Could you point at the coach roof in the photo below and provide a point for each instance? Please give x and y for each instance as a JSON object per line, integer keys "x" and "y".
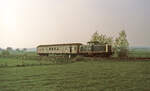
{"x": 60, "y": 44}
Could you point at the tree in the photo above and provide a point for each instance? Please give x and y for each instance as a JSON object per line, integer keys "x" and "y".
{"x": 1, "y": 49}
{"x": 95, "y": 36}
{"x": 5, "y": 53}
{"x": 18, "y": 50}
{"x": 121, "y": 44}
{"x": 102, "y": 39}
{"x": 9, "y": 49}
{"x": 24, "y": 49}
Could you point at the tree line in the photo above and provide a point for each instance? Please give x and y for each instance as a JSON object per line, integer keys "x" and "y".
{"x": 9, "y": 50}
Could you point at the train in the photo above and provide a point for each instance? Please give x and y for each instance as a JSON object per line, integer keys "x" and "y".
{"x": 74, "y": 49}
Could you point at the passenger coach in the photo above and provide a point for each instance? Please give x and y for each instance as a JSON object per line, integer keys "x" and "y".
{"x": 72, "y": 48}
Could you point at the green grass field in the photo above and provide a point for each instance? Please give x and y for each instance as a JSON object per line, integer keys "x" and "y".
{"x": 104, "y": 75}
{"x": 139, "y": 52}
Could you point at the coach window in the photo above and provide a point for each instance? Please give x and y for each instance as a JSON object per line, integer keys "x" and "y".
{"x": 74, "y": 48}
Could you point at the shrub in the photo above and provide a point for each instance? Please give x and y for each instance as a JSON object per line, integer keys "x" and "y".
{"x": 123, "y": 52}
{"x": 5, "y": 53}
{"x": 78, "y": 58}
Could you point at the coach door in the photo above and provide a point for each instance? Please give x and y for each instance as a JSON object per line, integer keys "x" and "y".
{"x": 70, "y": 49}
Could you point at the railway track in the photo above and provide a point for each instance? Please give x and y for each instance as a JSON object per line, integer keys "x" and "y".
{"x": 132, "y": 58}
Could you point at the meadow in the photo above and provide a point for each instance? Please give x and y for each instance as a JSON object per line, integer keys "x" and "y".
{"x": 139, "y": 52}
{"x": 88, "y": 74}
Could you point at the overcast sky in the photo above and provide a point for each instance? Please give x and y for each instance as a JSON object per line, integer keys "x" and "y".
{"x": 29, "y": 23}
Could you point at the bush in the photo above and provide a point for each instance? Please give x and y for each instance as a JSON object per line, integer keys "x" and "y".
{"x": 5, "y": 53}
{"x": 78, "y": 58}
{"x": 123, "y": 52}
